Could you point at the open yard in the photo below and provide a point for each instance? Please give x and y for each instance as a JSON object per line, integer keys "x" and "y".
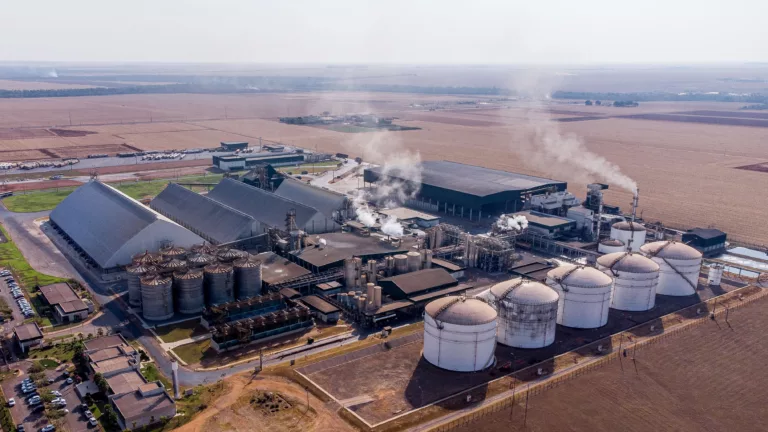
{"x": 709, "y": 377}
{"x": 180, "y": 331}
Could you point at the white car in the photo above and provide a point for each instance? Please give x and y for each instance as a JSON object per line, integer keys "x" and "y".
{"x": 34, "y": 400}
{"x": 56, "y": 393}
{"x": 93, "y": 421}
{"x": 11, "y": 402}
{"x": 59, "y": 401}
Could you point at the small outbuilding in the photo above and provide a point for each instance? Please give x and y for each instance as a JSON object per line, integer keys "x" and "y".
{"x": 28, "y": 336}
{"x": 321, "y": 309}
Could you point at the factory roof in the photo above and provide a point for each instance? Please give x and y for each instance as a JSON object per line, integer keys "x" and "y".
{"x": 289, "y": 293}
{"x": 58, "y": 293}
{"x": 543, "y": 219}
{"x": 339, "y": 246}
{"x": 580, "y": 276}
{"x": 318, "y": 304}
{"x": 105, "y": 342}
{"x": 106, "y": 354}
{"x": 474, "y": 180}
{"x": 125, "y": 382}
{"x": 133, "y": 405}
{"x": 439, "y": 293}
{"x": 420, "y": 280}
{"x": 628, "y": 262}
{"x": 461, "y": 311}
{"x": 526, "y": 292}
{"x": 28, "y": 332}
{"x": 328, "y": 286}
{"x": 215, "y": 221}
{"x": 266, "y": 207}
{"x": 111, "y": 226}
{"x": 670, "y": 250}
{"x": 404, "y": 213}
{"x": 451, "y": 267}
{"x": 391, "y": 306}
{"x": 327, "y": 202}
{"x": 275, "y": 269}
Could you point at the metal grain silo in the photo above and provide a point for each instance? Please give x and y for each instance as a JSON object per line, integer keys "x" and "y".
{"x": 585, "y": 295}
{"x": 401, "y": 264}
{"x": 414, "y": 261}
{"x": 199, "y": 260}
{"x": 527, "y": 313}
{"x": 188, "y": 291}
{"x": 247, "y": 277}
{"x": 219, "y": 284}
{"x": 679, "y": 267}
{"x": 173, "y": 252}
{"x": 229, "y": 255}
{"x": 459, "y": 334}
{"x": 350, "y": 273}
{"x": 135, "y": 273}
{"x": 635, "y": 280}
{"x": 146, "y": 258}
{"x": 631, "y": 234}
{"x": 172, "y": 265}
{"x": 611, "y": 245}
{"x": 156, "y": 297}
{"x": 204, "y": 248}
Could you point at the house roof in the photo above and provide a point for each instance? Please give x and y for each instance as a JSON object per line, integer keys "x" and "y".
{"x": 28, "y": 332}
{"x": 58, "y": 293}
{"x": 125, "y": 382}
{"x": 134, "y": 405}
{"x": 104, "y": 342}
{"x": 215, "y": 221}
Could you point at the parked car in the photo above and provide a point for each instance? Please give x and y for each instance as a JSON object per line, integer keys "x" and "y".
{"x": 70, "y": 380}
{"x": 19, "y": 428}
{"x": 87, "y": 413}
{"x": 92, "y": 421}
{"x": 35, "y": 400}
{"x": 84, "y": 408}
{"x": 11, "y": 402}
{"x": 56, "y": 393}
{"x": 48, "y": 428}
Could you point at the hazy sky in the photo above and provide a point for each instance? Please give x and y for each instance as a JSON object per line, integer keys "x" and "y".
{"x": 390, "y": 31}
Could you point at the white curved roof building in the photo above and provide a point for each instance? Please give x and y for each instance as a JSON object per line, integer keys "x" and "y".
{"x": 110, "y": 227}
{"x": 631, "y": 234}
{"x": 460, "y": 334}
{"x": 679, "y": 265}
{"x": 527, "y": 313}
{"x": 585, "y": 295}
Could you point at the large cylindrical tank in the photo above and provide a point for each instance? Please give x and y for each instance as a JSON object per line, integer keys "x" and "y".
{"x": 390, "y": 266}
{"x": 414, "y": 261}
{"x": 350, "y": 274}
{"x": 459, "y": 334}
{"x": 200, "y": 260}
{"x": 585, "y": 295}
{"x": 376, "y": 297}
{"x": 173, "y": 252}
{"x": 715, "y": 274}
{"x": 631, "y": 234}
{"x": 172, "y": 265}
{"x": 635, "y": 278}
{"x": 611, "y": 245}
{"x": 369, "y": 290}
{"x": 135, "y": 273}
{"x": 229, "y": 255}
{"x": 428, "y": 259}
{"x": 188, "y": 291}
{"x": 372, "y": 271}
{"x": 401, "y": 264}
{"x": 205, "y": 248}
{"x": 247, "y": 278}
{"x": 527, "y": 313}
{"x": 146, "y": 258}
{"x": 156, "y": 297}
{"x": 219, "y": 284}
{"x": 359, "y": 269}
{"x": 679, "y": 267}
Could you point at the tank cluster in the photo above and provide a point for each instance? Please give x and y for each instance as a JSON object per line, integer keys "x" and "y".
{"x": 525, "y": 312}
{"x": 357, "y": 275}
{"x": 186, "y": 281}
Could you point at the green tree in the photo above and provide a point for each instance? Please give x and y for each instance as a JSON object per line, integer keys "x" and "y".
{"x": 588, "y": 103}
{"x": 35, "y": 368}
{"x": 101, "y": 383}
{"x": 110, "y": 418}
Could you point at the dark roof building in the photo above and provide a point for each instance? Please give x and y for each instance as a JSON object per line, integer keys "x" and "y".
{"x": 708, "y": 241}
{"x": 269, "y": 209}
{"x": 214, "y": 221}
{"x": 315, "y": 303}
{"x": 339, "y": 246}
{"x": 27, "y": 336}
{"x": 468, "y": 190}
{"x": 331, "y": 204}
{"x": 547, "y": 224}
{"x": 417, "y": 283}
{"x": 234, "y": 145}
{"x": 276, "y": 269}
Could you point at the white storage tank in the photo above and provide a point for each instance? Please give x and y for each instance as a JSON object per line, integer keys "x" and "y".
{"x": 401, "y": 264}
{"x": 527, "y": 313}
{"x": 459, "y": 334}
{"x": 631, "y": 234}
{"x": 611, "y": 245}
{"x": 679, "y": 267}
{"x": 635, "y": 280}
{"x": 715, "y": 274}
{"x": 414, "y": 261}
{"x": 585, "y": 295}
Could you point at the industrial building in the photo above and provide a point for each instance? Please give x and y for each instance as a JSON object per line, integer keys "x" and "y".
{"x": 332, "y": 205}
{"x": 708, "y": 241}
{"x": 410, "y": 217}
{"x": 234, "y": 145}
{"x": 332, "y": 249}
{"x": 467, "y": 190}
{"x": 66, "y": 305}
{"x": 242, "y": 162}
{"x": 417, "y": 283}
{"x": 215, "y": 222}
{"x": 548, "y": 225}
{"x": 270, "y": 209}
{"x": 108, "y": 227}
{"x": 321, "y": 309}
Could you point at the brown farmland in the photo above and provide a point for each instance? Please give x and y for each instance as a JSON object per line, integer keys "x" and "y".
{"x": 708, "y": 377}
{"x": 685, "y": 171}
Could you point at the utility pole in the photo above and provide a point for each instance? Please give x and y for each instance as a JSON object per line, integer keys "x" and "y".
{"x": 527, "y": 396}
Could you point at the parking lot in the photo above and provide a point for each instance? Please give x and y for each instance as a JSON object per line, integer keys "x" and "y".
{"x": 33, "y": 419}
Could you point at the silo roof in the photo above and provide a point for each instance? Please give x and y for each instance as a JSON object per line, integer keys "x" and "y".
{"x": 461, "y": 311}
{"x": 671, "y": 250}
{"x": 581, "y": 276}
{"x": 628, "y": 262}
{"x": 528, "y": 292}
{"x": 628, "y": 226}
{"x": 612, "y": 242}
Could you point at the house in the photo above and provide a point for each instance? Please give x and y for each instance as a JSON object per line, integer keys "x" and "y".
{"x": 27, "y": 336}
{"x": 66, "y": 305}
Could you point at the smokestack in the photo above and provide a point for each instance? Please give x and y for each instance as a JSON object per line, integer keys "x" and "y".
{"x": 175, "y": 369}
{"x": 635, "y": 200}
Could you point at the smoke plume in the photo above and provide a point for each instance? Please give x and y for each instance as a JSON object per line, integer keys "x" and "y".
{"x": 542, "y": 145}
{"x": 392, "y": 227}
{"x": 516, "y": 223}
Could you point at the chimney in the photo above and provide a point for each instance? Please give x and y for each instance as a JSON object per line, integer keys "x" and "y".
{"x": 175, "y": 369}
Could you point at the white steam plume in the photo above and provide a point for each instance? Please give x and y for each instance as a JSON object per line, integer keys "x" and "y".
{"x": 542, "y": 146}
{"x": 392, "y": 227}
{"x": 517, "y": 223}
{"x": 364, "y": 213}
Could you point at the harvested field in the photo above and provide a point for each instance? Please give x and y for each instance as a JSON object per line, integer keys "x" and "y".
{"x": 70, "y": 133}
{"x": 739, "y": 114}
{"x": 708, "y": 377}
{"x": 38, "y": 85}
{"x": 729, "y": 121}
{"x": 180, "y": 140}
{"x": 761, "y": 167}
{"x": 16, "y": 134}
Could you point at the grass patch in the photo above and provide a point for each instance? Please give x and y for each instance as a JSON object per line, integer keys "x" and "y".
{"x": 28, "y": 277}
{"x": 194, "y": 352}
{"x": 62, "y": 352}
{"x": 151, "y": 373}
{"x": 180, "y": 331}
{"x": 5, "y": 310}
{"x": 47, "y": 200}
{"x": 48, "y": 364}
